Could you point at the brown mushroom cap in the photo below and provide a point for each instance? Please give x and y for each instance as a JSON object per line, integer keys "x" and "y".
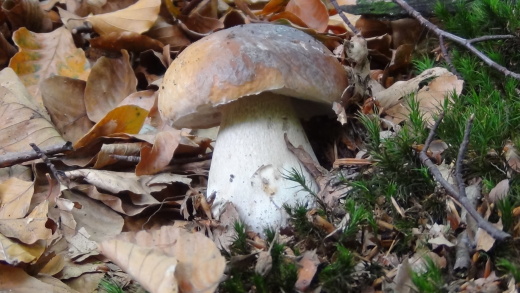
{"x": 247, "y": 60}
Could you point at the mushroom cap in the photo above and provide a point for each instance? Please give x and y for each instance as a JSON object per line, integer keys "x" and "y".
{"x": 243, "y": 61}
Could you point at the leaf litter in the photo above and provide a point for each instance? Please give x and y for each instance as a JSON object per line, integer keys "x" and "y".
{"x": 133, "y": 191}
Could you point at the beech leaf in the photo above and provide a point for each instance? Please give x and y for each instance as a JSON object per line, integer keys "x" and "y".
{"x": 46, "y": 54}
{"x": 137, "y": 18}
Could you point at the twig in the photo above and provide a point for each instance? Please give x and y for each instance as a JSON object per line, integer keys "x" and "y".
{"x": 59, "y": 175}
{"x": 460, "y": 197}
{"x": 345, "y": 19}
{"x": 447, "y": 57}
{"x": 11, "y": 159}
{"x": 461, "y": 41}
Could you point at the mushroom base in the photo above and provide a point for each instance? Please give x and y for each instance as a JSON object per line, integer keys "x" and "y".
{"x": 251, "y": 156}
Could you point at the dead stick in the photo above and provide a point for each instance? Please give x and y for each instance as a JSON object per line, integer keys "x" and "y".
{"x": 464, "y": 201}
{"x": 11, "y": 159}
{"x": 461, "y": 41}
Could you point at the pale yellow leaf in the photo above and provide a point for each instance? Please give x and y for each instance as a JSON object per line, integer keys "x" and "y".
{"x": 15, "y": 198}
{"x": 137, "y": 18}
{"x": 14, "y": 253}
{"x": 153, "y": 269}
{"x": 29, "y": 229}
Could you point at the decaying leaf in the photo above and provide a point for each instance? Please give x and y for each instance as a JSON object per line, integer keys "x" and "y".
{"x": 13, "y": 279}
{"x": 308, "y": 266}
{"x": 312, "y": 12}
{"x": 63, "y": 98}
{"x": 26, "y": 13}
{"x": 110, "y": 81}
{"x": 155, "y": 158}
{"x": 199, "y": 263}
{"x": 14, "y": 252}
{"x": 23, "y": 120}
{"x": 130, "y": 41}
{"x": 500, "y": 191}
{"x": 124, "y": 119}
{"x": 15, "y": 198}
{"x": 430, "y": 97}
{"x": 136, "y": 18}
{"x": 29, "y": 229}
{"x": 42, "y": 55}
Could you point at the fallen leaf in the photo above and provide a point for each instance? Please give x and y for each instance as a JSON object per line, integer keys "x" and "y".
{"x": 124, "y": 119}
{"x": 104, "y": 156}
{"x": 156, "y": 158}
{"x": 485, "y": 241}
{"x": 29, "y": 229}
{"x": 308, "y": 266}
{"x": 312, "y": 12}
{"x": 13, "y": 279}
{"x": 14, "y": 252}
{"x": 110, "y": 81}
{"x": 23, "y": 121}
{"x": 26, "y": 13}
{"x": 168, "y": 34}
{"x": 153, "y": 269}
{"x": 63, "y": 98}
{"x": 131, "y": 41}
{"x": 137, "y": 18}
{"x": 499, "y": 192}
{"x": 43, "y": 55}
{"x": 200, "y": 264}
{"x": 15, "y": 198}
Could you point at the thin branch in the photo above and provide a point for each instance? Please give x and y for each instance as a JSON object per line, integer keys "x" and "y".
{"x": 345, "y": 19}
{"x": 11, "y": 159}
{"x": 464, "y": 201}
{"x": 461, "y": 41}
{"x": 447, "y": 57}
{"x": 460, "y": 157}
{"x": 493, "y": 37}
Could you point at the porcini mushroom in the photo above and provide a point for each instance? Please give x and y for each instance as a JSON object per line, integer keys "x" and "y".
{"x": 246, "y": 78}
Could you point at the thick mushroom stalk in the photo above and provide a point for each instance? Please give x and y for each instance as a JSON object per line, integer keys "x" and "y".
{"x": 251, "y": 157}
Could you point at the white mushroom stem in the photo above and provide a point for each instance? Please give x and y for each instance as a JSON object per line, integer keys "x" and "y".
{"x": 251, "y": 156}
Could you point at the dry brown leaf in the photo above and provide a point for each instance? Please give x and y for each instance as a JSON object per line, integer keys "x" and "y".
{"x": 224, "y": 234}
{"x": 23, "y": 121}
{"x": 153, "y": 269}
{"x": 137, "y": 18}
{"x": 312, "y": 12}
{"x": 485, "y": 241}
{"x": 47, "y": 54}
{"x": 200, "y": 264}
{"x": 86, "y": 282}
{"x": 13, "y": 279}
{"x": 110, "y": 81}
{"x": 28, "y": 14}
{"x": 308, "y": 266}
{"x": 140, "y": 187}
{"x": 430, "y": 97}
{"x": 6, "y": 51}
{"x": 512, "y": 157}
{"x": 63, "y": 98}
{"x": 168, "y": 34}
{"x": 196, "y": 25}
{"x": 145, "y": 99}
{"x": 155, "y": 158}
{"x": 500, "y": 191}
{"x": 133, "y": 42}
{"x": 124, "y": 119}
{"x": 112, "y": 201}
{"x": 84, "y": 8}
{"x": 53, "y": 266}
{"x": 29, "y": 229}
{"x": 99, "y": 221}
{"x": 104, "y": 157}
{"x": 15, "y": 198}
{"x": 14, "y": 252}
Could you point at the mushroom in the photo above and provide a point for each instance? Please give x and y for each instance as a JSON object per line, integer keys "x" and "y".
{"x": 246, "y": 78}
